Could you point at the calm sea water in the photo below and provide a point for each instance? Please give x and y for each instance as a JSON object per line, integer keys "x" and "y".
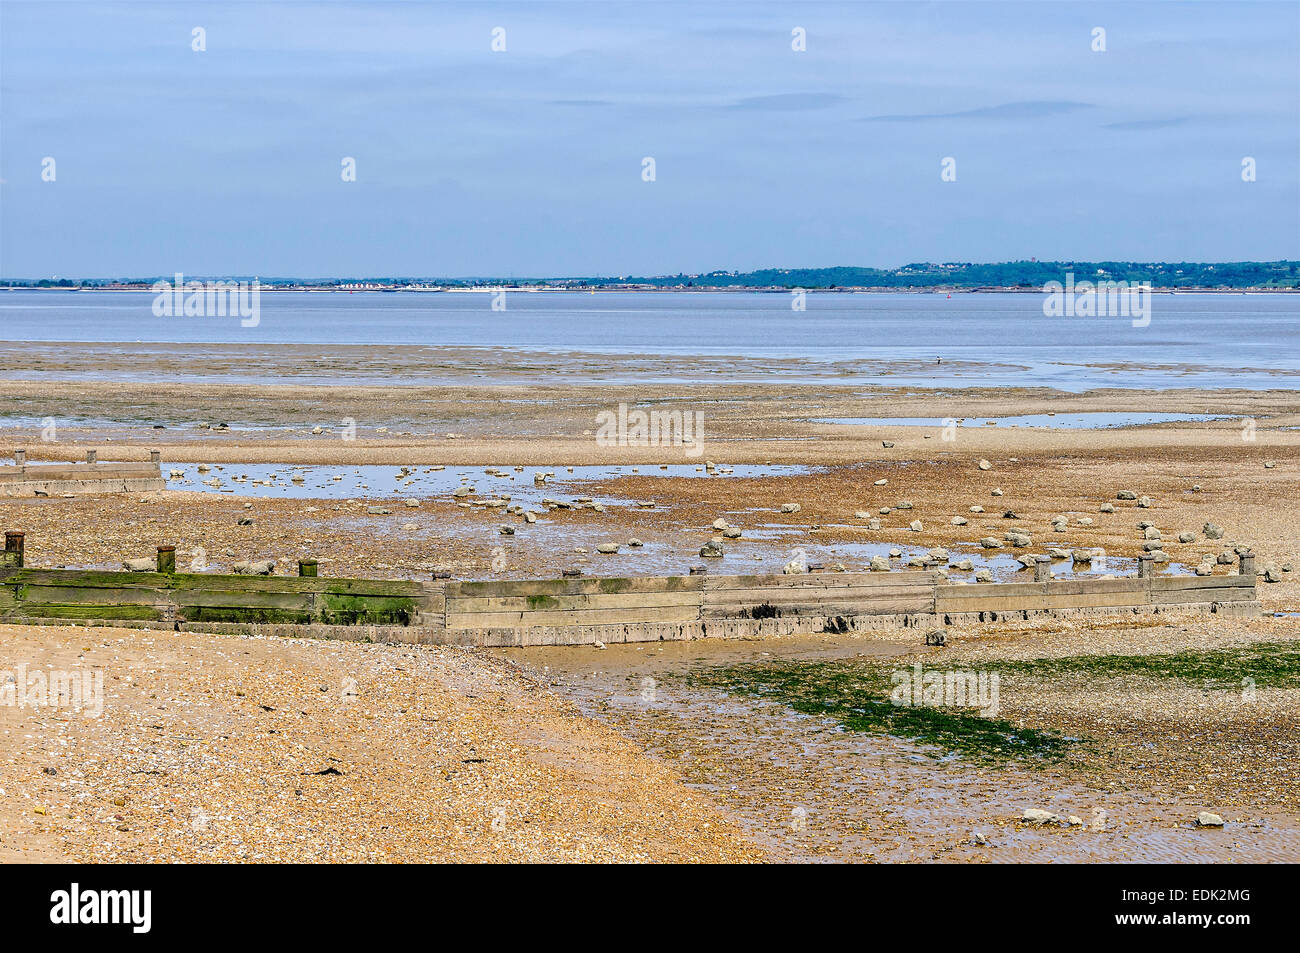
{"x": 1238, "y": 340}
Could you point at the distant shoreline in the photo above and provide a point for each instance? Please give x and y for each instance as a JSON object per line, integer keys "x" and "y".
{"x": 638, "y": 289}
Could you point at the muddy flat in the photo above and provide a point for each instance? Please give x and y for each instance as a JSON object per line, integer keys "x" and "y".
{"x": 710, "y": 751}
{"x": 1146, "y": 755}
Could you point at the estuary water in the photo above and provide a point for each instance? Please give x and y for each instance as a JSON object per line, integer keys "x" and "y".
{"x": 925, "y": 339}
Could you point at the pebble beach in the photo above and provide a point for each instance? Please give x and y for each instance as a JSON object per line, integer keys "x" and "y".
{"x": 247, "y": 748}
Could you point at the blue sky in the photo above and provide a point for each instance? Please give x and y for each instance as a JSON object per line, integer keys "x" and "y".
{"x": 529, "y": 161}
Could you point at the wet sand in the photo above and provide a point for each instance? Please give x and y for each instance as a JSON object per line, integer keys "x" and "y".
{"x": 864, "y": 797}
{"x": 1155, "y": 755}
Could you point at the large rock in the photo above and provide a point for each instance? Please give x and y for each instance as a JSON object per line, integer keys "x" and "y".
{"x": 711, "y": 550}
{"x": 988, "y": 542}
{"x": 1212, "y": 531}
{"x": 1035, "y": 815}
{"x": 263, "y": 567}
{"x": 790, "y": 507}
{"x": 985, "y": 465}
{"x": 1126, "y": 495}
{"x": 1208, "y": 819}
{"x": 879, "y": 564}
{"x": 143, "y": 564}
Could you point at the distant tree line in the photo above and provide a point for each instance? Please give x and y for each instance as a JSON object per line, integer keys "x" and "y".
{"x": 1013, "y": 274}
{"x": 917, "y": 276}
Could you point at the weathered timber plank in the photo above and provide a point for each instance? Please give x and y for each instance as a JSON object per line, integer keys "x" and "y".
{"x": 112, "y": 579}
{"x": 301, "y": 601}
{"x": 1188, "y": 596}
{"x": 1002, "y": 588}
{"x": 1169, "y": 583}
{"x": 71, "y": 595}
{"x": 994, "y": 602}
{"x": 574, "y": 587}
{"x": 778, "y": 594}
{"x": 623, "y": 600}
{"x": 830, "y": 580}
{"x": 531, "y": 619}
{"x": 828, "y": 607}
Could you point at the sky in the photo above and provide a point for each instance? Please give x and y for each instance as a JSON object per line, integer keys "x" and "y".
{"x": 530, "y": 160}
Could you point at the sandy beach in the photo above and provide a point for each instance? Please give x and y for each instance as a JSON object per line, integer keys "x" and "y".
{"x": 557, "y": 747}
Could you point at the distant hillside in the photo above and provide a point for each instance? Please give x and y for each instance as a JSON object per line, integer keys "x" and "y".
{"x": 1012, "y": 274}
{"x": 1029, "y": 275}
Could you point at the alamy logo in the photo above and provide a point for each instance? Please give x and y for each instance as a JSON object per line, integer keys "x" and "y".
{"x": 950, "y": 689}
{"x": 209, "y": 299}
{"x": 81, "y": 690}
{"x": 1099, "y": 299}
{"x": 73, "y": 906}
{"x": 651, "y": 428}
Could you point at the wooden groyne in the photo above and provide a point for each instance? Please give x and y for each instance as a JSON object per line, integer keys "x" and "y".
{"x": 49, "y": 479}
{"x": 576, "y": 611}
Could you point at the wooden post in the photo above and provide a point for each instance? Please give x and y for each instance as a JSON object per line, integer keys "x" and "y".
{"x": 20, "y": 457}
{"x": 1246, "y": 565}
{"x": 1042, "y": 569}
{"x": 167, "y": 559}
{"x": 307, "y": 567}
{"x": 155, "y": 457}
{"x": 1145, "y": 562}
{"x": 90, "y": 455}
{"x": 14, "y": 549}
